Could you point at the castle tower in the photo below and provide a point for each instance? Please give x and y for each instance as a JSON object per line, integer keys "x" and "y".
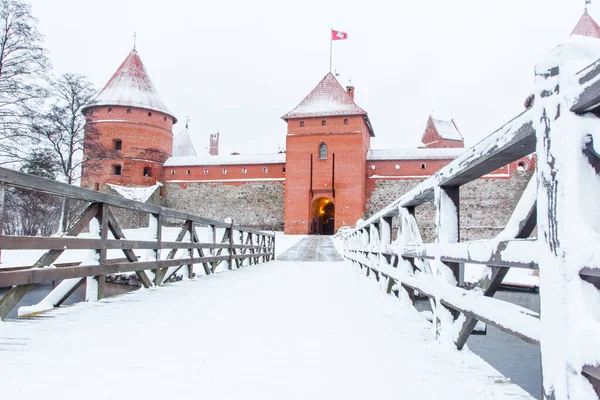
{"x": 128, "y": 132}
{"x": 327, "y": 141}
{"x": 587, "y": 26}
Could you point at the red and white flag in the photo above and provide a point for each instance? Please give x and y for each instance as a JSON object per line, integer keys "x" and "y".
{"x": 337, "y": 35}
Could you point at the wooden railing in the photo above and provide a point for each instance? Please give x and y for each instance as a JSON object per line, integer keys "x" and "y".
{"x": 237, "y": 246}
{"x": 565, "y": 135}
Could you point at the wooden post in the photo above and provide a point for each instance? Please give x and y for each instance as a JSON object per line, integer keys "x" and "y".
{"x": 95, "y": 285}
{"x": 447, "y": 231}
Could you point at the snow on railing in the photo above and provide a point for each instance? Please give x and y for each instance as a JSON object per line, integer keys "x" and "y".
{"x": 562, "y": 199}
{"x": 228, "y": 246}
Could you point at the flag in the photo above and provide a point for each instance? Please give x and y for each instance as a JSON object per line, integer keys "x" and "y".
{"x": 337, "y": 35}
{"x": 588, "y": 1}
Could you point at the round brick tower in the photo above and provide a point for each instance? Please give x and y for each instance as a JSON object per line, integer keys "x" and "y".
{"x": 128, "y": 132}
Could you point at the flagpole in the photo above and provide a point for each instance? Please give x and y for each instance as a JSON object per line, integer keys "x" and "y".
{"x": 330, "y": 49}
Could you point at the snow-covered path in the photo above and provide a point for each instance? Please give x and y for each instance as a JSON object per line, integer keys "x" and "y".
{"x": 281, "y": 330}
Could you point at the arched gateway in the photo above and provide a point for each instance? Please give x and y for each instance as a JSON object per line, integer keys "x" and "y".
{"x": 323, "y": 217}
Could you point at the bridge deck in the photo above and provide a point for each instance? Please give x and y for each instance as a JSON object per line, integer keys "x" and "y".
{"x": 281, "y": 330}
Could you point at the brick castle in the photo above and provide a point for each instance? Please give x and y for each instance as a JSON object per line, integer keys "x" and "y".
{"x": 327, "y": 177}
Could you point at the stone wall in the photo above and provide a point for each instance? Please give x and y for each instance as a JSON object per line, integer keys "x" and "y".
{"x": 257, "y": 205}
{"x": 485, "y": 204}
{"x": 128, "y": 219}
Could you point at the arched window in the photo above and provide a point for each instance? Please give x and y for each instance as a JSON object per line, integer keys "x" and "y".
{"x": 301, "y": 123}
{"x": 323, "y": 151}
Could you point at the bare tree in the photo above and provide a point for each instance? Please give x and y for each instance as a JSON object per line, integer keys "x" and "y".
{"x": 29, "y": 212}
{"x": 61, "y": 128}
{"x": 23, "y": 65}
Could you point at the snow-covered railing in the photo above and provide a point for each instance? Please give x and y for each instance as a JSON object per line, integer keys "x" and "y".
{"x": 227, "y": 244}
{"x": 562, "y": 200}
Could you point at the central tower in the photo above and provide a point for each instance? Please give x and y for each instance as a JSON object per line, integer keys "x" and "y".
{"x": 327, "y": 140}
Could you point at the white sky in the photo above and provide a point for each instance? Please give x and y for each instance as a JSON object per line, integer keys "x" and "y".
{"x": 238, "y": 66}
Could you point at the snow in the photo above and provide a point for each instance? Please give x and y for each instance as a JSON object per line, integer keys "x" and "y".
{"x": 137, "y": 193}
{"x": 281, "y": 330}
{"x": 182, "y": 145}
{"x": 241, "y": 159}
{"x": 569, "y": 187}
{"x": 328, "y": 98}
{"x": 131, "y": 86}
{"x": 447, "y": 129}
{"x": 415, "y": 154}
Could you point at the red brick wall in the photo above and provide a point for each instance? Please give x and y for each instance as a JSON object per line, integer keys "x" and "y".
{"x": 147, "y": 141}
{"x": 349, "y": 142}
{"x": 234, "y": 173}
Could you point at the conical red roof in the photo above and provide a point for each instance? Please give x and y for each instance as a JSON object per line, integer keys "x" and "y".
{"x": 587, "y": 27}
{"x": 131, "y": 86}
{"x": 327, "y": 99}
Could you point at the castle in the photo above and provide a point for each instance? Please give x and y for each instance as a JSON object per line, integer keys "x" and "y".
{"x": 327, "y": 177}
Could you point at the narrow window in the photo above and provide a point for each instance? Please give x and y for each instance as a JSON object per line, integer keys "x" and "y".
{"x": 129, "y": 111}
{"x": 205, "y": 171}
{"x": 172, "y": 172}
{"x": 147, "y": 171}
{"x": 244, "y": 171}
{"x": 165, "y": 118}
{"x": 284, "y": 170}
{"x": 116, "y": 170}
{"x": 423, "y": 166}
{"x": 187, "y": 172}
{"x": 109, "y": 110}
{"x": 117, "y": 144}
{"x": 323, "y": 122}
{"x": 96, "y": 186}
{"x": 397, "y": 167}
{"x": 345, "y": 121}
{"x": 372, "y": 166}
{"x": 149, "y": 114}
{"x": 224, "y": 171}
{"x": 265, "y": 170}
{"x": 323, "y": 151}
{"x": 301, "y": 123}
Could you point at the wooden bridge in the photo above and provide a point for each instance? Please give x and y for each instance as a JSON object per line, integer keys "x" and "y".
{"x": 562, "y": 201}
{"x": 316, "y": 329}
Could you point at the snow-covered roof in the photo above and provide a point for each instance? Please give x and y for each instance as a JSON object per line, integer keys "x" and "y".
{"x": 447, "y": 129}
{"x": 415, "y": 154}
{"x": 587, "y": 26}
{"x": 131, "y": 86}
{"x": 137, "y": 193}
{"x": 182, "y": 145}
{"x": 241, "y": 159}
{"x": 327, "y": 99}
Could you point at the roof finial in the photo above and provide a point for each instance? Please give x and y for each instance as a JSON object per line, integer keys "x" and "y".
{"x": 134, "y": 39}
{"x": 586, "y": 4}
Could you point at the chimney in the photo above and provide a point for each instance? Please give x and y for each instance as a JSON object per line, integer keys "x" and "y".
{"x": 350, "y": 89}
{"x": 214, "y": 144}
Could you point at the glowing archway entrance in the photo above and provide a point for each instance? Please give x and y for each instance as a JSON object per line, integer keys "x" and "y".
{"x": 323, "y": 217}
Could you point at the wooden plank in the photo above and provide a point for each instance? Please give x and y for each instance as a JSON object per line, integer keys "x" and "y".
{"x": 522, "y": 253}
{"x": 37, "y": 275}
{"x": 43, "y": 185}
{"x": 70, "y": 292}
{"x": 75, "y": 243}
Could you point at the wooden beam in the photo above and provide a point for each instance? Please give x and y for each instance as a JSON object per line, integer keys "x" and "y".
{"x": 521, "y": 252}
{"x": 37, "y": 275}
{"x": 12, "y": 298}
{"x": 43, "y": 185}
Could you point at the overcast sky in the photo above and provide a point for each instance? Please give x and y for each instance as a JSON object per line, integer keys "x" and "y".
{"x": 238, "y": 66}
